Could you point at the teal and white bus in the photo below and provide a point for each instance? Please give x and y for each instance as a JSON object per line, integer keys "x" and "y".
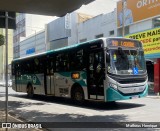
{"x": 106, "y": 69}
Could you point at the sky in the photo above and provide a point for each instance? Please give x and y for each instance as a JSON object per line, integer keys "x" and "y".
{"x": 98, "y": 7}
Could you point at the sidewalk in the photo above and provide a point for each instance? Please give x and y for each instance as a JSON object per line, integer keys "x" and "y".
{"x": 13, "y": 119}
{"x": 10, "y": 118}
{"x": 154, "y": 96}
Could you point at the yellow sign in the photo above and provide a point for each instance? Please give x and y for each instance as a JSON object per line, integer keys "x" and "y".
{"x": 123, "y": 43}
{"x": 150, "y": 40}
{"x": 75, "y": 76}
{"x": 136, "y": 10}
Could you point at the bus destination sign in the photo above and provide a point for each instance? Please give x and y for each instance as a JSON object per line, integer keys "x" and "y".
{"x": 123, "y": 43}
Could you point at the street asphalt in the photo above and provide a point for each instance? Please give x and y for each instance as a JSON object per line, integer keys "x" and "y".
{"x": 13, "y": 118}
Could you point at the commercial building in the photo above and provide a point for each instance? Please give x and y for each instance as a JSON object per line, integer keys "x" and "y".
{"x": 27, "y": 24}
{"x": 64, "y": 31}
{"x": 70, "y": 29}
{"x": 103, "y": 25}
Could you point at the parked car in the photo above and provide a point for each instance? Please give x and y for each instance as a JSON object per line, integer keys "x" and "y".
{"x": 3, "y": 83}
{"x": 10, "y": 83}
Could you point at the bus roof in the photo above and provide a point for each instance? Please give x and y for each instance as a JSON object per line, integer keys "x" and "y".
{"x": 69, "y": 47}
{"x": 59, "y": 49}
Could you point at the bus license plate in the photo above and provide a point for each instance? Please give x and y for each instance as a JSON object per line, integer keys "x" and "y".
{"x": 135, "y": 97}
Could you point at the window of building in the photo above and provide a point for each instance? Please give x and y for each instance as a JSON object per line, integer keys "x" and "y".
{"x": 83, "y": 40}
{"x": 99, "y": 36}
{"x": 111, "y": 32}
{"x": 156, "y": 22}
{"x": 120, "y": 30}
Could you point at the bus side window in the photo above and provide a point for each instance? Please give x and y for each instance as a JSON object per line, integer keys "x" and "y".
{"x": 36, "y": 65}
{"x": 91, "y": 61}
{"x": 58, "y": 63}
{"x": 24, "y": 70}
{"x": 80, "y": 59}
{"x": 50, "y": 65}
{"x": 65, "y": 61}
{"x": 76, "y": 60}
{"x": 13, "y": 69}
{"x": 72, "y": 61}
{"x": 18, "y": 69}
{"x": 62, "y": 62}
{"x": 39, "y": 65}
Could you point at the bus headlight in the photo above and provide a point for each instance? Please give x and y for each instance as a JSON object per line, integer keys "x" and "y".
{"x": 113, "y": 86}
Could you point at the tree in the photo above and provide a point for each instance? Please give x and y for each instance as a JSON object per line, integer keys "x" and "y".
{"x": 2, "y": 40}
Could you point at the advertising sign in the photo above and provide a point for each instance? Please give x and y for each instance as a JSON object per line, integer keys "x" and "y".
{"x": 67, "y": 21}
{"x": 150, "y": 40}
{"x": 137, "y": 10}
{"x": 30, "y": 51}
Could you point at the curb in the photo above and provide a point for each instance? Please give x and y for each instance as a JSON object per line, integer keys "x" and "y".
{"x": 154, "y": 97}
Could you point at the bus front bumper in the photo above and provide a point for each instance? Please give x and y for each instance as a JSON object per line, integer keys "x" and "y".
{"x": 114, "y": 95}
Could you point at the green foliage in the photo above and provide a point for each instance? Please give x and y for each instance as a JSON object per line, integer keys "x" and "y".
{"x": 2, "y": 40}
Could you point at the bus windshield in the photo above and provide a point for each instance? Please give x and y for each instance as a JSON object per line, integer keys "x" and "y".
{"x": 126, "y": 61}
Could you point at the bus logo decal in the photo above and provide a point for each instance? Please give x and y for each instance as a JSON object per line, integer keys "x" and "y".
{"x": 34, "y": 79}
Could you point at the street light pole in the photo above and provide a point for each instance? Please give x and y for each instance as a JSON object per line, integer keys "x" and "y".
{"x": 6, "y": 33}
{"x": 123, "y": 23}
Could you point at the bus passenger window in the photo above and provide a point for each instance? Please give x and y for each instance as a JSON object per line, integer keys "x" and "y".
{"x": 76, "y": 60}
{"x": 62, "y": 62}
{"x": 58, "y": 63}
{"x": 79, "y": 60}
{"x": 36, "y": 65}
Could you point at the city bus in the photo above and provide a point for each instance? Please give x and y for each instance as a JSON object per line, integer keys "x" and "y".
{"x": 105, "y": 69}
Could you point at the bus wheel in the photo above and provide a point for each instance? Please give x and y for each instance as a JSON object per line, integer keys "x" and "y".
{"x": 30, "y": 92}
{"x": 78, "y": 96}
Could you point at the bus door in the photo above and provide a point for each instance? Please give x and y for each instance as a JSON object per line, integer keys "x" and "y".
{"x": 95, "y": 71}
{"x": 50, "y": 87}
{"x": 18, "y": 81}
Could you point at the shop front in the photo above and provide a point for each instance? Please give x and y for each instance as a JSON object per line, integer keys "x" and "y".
{"x": 151, "y": 44}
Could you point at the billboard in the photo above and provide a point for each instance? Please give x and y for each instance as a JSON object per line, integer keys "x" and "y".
{"x": 150, "y": 40}
{"x": 137, "y": 10}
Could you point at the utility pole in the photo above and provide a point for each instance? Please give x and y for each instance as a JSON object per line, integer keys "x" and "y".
{"x": 7, "y": 21}
{"x": 6, "y": 32}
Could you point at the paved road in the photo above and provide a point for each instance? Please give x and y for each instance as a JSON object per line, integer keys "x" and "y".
{"x": 50, "y": 109}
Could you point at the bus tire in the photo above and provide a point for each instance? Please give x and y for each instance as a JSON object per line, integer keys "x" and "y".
{"x": 78, "y": 96}
{"x": 30, "y": 92}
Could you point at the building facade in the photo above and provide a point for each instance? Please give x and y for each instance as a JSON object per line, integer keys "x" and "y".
{"x": 103, "y": 25}
{"x": 27, "y": 24}
{"x": 2, "y": 54}
{"x": 81, "y": 28}
{"x": 70, "y": 29}
{"x": 33, "y": 44}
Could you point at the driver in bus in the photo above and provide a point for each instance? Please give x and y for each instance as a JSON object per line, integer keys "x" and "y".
{"x": 122, "y": 60}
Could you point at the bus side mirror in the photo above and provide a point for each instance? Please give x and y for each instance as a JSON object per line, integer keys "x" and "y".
{"x": 107, "y": 57}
